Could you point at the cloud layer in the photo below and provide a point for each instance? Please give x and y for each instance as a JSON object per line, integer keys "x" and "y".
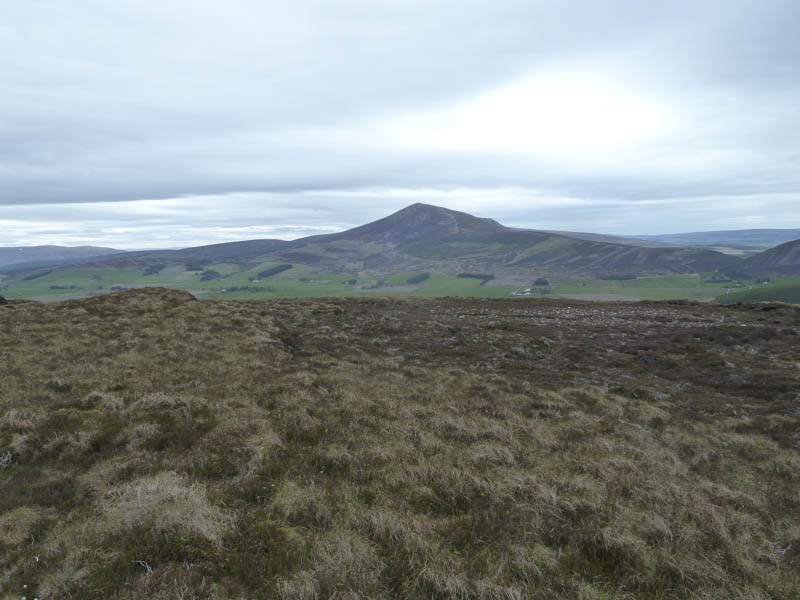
{"x": 141, "y": 124}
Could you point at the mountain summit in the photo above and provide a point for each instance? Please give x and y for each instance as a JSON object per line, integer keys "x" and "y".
{"x": 417, "y": 221}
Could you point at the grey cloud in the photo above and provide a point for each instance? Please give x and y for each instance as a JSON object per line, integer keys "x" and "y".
{"x": 132, "y": 100}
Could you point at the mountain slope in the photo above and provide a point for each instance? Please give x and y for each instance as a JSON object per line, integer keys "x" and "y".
{"x": 23, "y": 254}
{"x": 224, "y": 252}
{"x": 562, "y": 254}
{"x": 781, "y": 260}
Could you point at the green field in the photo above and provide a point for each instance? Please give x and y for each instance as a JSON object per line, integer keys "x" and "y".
{"x": 302, "y": 281}
{"x": 785, "y": 289}
{"x": 299, "y": 281}
{"x": 88, "y": 281}
{"x": 672, "y": 287}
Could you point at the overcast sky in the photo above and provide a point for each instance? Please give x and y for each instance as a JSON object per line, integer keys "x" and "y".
{"x": 169, "y": 123}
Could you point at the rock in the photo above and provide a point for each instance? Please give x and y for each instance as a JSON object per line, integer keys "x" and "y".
{"x": 3, "y": 300}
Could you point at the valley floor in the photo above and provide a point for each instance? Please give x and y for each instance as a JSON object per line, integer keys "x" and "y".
{"x": 156, "y": 446}
{"x": 304, "y": 282}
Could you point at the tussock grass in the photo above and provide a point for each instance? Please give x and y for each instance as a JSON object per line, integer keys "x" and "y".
{"x": 166, "y": 503}
{"x": 16, "y": 525}
{"x": 300, "y": 450}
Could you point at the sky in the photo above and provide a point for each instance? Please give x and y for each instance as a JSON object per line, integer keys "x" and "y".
{"x": 172, "y": 123}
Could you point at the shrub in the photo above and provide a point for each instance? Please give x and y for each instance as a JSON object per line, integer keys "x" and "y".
{"x": 418, "y": 278}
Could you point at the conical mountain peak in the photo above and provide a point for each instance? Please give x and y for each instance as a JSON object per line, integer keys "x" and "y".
{"x": 423, "y": 221}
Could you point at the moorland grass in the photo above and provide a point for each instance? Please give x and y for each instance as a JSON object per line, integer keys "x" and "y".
{"x": 163, "y": 447}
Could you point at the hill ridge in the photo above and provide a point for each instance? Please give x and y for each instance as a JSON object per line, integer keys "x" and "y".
{"x": 21, "y": 254}
{"x": 428, "y": 237}
{"x": 780, "y": 260}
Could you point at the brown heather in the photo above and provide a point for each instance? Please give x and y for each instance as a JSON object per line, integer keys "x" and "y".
{"x": 154, "y": 446}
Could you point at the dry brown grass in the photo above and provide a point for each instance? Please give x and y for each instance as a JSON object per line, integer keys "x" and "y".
{"x": 166, "y": 502}
{"x": 16, "y": 525}
{"x": 304, "y": 450}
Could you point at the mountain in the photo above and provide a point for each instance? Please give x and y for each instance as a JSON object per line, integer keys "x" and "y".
{"x": 743, "y": 238}
{"x": 781, "y": 260}
{"x": 422, "y": 237}
{"x": 23, "y": 254}
{"x": 425, "y": 237}
{"x": 418, "y": 221}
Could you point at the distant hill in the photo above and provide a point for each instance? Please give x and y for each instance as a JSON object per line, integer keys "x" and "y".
{"x": 225, "y": 252}
{"x": 781, "y": 260}
{"x": 743, "y": 238}
{"x": 422, "y": 237}
{"x": 24, "y": 254}
{"x": 613, "y": 239}
{"x": 234, "y": 252}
